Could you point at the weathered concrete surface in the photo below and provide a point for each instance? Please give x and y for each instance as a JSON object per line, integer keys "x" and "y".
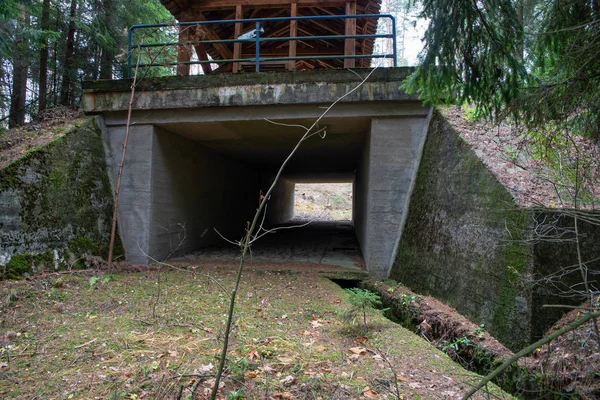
{"x": 56, "y": 204}
{"x": 394, "y": 152}
{"x": 302, "y": 87}
{"x": 227, "y": 121}
{"x": 468, "y": 244}
{"x": 461, "y": 241}
{"x": 175, "y": 193}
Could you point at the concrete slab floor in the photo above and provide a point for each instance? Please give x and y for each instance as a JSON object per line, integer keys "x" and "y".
{"x": 320, "y": 243}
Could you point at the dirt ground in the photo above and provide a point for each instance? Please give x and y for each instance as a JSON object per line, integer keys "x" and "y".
{"x": 16, "y": 142}
{"x": 145, "y": 335}
{"x": 323, "y": 201}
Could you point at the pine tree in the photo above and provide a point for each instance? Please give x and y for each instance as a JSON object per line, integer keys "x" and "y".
{"x": 536, "y": 61}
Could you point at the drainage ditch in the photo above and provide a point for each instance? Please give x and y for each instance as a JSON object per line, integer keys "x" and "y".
{"x": 462, "y": 345}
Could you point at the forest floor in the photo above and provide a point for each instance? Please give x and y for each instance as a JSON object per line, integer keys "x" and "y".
{"x": 534, "y": 167}
{"x": 151, "y": 335}
{"x": 323, "y": 201}
{"x": 51, "y": 124}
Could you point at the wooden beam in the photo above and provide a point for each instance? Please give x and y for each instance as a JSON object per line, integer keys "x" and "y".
{"x": 323, "y": 24}
{"x": 183, "y": 4}
{"x": 206, "y": 5}
{"x": 320, "y": 51}
{"x": 221, "y": 48}
{"x": 350, "y": 29}
{"x": 203, "y": 56}
{"x": 293, "y": 33}
{"x": 237, "y": 47}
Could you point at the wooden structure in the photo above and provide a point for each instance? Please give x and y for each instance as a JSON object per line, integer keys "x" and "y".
{"x": 213, "y": 10}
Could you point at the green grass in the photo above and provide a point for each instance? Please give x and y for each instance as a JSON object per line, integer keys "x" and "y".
{"x": 69, "y": 339}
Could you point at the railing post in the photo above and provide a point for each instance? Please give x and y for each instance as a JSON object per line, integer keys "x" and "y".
{"x": 237, "y": 31}
{"x": 394, "y": 42}
{"x": 293, "y": 33}
{"x": 350, "y": 29}
{"x": 257, "y": 46}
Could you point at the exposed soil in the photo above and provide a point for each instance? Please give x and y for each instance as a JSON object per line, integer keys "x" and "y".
{"x": 569, "y": 365}
{"x": 16, "y": 142}
{"x": 323, "y": 201}
{"x": 572, "y": 361}
{"x": 435, "y": 321}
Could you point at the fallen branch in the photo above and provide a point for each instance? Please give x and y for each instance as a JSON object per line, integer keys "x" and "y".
{"x": 85, "y": 344}
{"x": 529, "y": 349}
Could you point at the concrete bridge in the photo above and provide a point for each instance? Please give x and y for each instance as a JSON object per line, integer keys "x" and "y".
{"x": 202, "y": 148}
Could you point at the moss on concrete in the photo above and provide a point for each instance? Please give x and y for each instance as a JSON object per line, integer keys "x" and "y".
{"x": 461, "y": 241}
{"x": 21, "y": 264}
{"x": 261, "y": 78}
{"x": 60, "y": 199}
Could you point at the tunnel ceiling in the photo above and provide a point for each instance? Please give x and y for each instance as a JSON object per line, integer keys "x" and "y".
{"x": 266, "y": 145}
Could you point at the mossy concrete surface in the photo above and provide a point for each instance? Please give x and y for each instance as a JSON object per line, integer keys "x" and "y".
{"x": 462, "y": 239}
{"x": 56, "y": 204}
{"x": 257, "y": 89}
{"x": 467, "y": 243}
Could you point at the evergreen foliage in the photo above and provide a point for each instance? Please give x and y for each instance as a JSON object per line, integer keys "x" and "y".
{"x": 361, "y": 301}
{"x": 97, "y": 32}
{"x": 534, "y": 60}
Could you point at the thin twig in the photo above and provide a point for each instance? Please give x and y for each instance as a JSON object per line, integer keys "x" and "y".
{"x": 488, "y": 378}
{"x": 247, "y": 241}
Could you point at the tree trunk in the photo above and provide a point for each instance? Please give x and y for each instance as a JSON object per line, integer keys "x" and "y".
{"x": 55, "y": 81}
{"x": 45, "y": 25}
{"x": 2, "y": 103}
{"x": 108, "y": 50}
{"x": 19, "y": 84}
{"x": 65, "y": 91}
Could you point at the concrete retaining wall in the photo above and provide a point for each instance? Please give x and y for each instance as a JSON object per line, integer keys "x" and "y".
{"x": 468, "y": 244}
{"x": 56, "y": 204}
{"x": 461, "y": 239}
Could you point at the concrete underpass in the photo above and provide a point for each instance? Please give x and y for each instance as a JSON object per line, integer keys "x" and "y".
{"x": 200, "y": 155}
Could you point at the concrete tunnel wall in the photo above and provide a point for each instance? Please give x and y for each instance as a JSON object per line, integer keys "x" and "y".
{"x": 384, "y": 182}
{"x": 169, "y": 183}
{"x": 280, "y": 208}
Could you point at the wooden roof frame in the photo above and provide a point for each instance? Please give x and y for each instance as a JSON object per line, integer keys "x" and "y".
{"x": 207, "y": 10}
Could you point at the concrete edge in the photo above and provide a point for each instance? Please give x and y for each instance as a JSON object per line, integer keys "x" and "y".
{"x": 411, "y": 187}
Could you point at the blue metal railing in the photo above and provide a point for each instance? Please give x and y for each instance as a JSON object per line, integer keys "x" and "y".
{"x": 258, "y": 39}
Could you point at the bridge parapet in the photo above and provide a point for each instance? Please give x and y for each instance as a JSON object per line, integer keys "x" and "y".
{"x": 302, "y": 87}
{"x": 248, "y": 35}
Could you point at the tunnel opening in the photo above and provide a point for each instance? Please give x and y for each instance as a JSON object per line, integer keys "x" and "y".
{"x": 323, "y": 201}
{"x": 209, "y": 178}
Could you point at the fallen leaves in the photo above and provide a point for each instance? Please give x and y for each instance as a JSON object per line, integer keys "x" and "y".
{"x": 316, "y": 323}
{"x": 370, "y": 393}
{"x": 283, "y": 395}
{"x": 288, "y": 380}
{"x": 358, "y": 350}
{"x": 204, "y": 368}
